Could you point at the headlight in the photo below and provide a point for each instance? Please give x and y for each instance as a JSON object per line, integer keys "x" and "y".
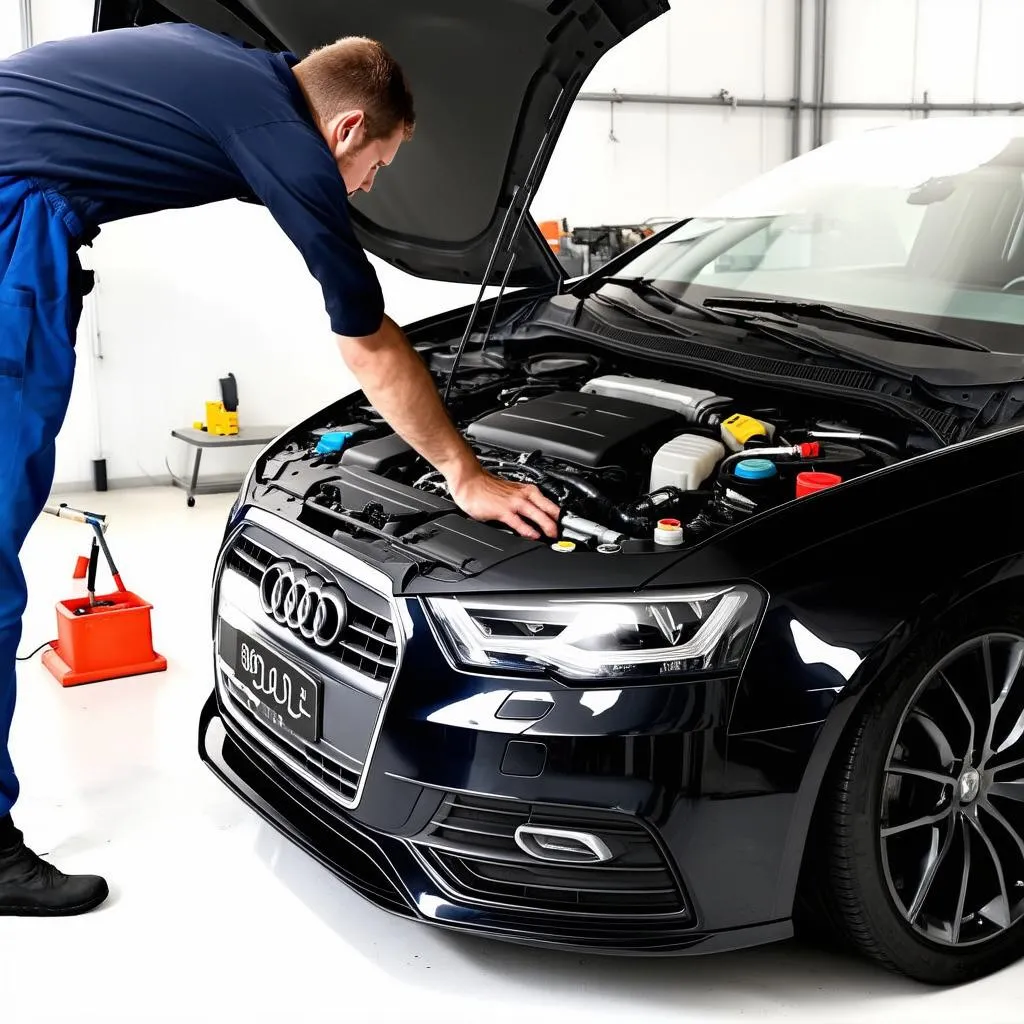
{"x": 610, "y": 637}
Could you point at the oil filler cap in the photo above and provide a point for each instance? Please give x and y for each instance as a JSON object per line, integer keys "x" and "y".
{"x": 755, "y": 469}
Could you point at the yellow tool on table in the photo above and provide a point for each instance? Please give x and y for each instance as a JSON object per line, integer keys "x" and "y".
{"x": 222, "y": 416}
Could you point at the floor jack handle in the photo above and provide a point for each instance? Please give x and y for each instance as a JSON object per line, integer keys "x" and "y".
{"x": 94, "y": 557}
{"x": 98, "y": 530}
{"x": 75, "y": 514}
{"x": 99, "y": 525}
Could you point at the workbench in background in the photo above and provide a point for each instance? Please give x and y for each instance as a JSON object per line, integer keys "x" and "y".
{"x": 201, "y": 440}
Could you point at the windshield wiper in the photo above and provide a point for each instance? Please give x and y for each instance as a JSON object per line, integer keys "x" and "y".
{"x": 645, "y": 288}
{"x": 627, "y": 307}
{"x": 801, "y": 337}
{"x": 889, "y": 328}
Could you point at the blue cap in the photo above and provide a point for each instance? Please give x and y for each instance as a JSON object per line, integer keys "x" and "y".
{"x": 755, "y": 469}
{"x": 332, "y": 442}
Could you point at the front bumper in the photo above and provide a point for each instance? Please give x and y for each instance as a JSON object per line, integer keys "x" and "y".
{"x": 385, "y": 870}
{"x": 421, "y": 783}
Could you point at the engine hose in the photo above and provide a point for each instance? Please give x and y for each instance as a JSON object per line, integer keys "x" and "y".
{"x": 584, "y": 487}
{"x": 636, "y": 518}
{"x": 639, "y": 518}
{"x": 837, "y": 430}
{"x": 522, "y": 472}
{"x": 850, "y": 435}
{"x": 717, "y": 517}
{"x": 521, "y": 468}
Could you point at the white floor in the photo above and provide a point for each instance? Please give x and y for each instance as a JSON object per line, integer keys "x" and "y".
{"x": 213, "y": 916}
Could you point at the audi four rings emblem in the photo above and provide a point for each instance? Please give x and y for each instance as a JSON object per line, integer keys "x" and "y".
{"x": 305, "y": 602}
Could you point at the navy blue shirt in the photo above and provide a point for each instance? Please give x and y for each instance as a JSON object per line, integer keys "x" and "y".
{"x": 136, "y": 120}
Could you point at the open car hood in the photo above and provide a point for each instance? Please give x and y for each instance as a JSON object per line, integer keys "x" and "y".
{"x": 493, "y": 82}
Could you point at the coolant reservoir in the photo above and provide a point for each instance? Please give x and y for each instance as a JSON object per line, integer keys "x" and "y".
{"x": 685, "y": 462}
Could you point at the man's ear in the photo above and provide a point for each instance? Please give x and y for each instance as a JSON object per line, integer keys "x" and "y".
{"x": 347, "y": 129}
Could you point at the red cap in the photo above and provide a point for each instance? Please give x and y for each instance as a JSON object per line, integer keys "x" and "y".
{"x": 669, "y": 523}
{"x": 810, "y": 450}
{"x": 808, "y": 483}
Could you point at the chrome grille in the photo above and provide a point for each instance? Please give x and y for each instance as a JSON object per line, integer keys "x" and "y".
{"x": 313, "y": 764}
{"x": 357, "y": 669}
{"x": 471, "y": 846}
{"x": 367, "y": 644}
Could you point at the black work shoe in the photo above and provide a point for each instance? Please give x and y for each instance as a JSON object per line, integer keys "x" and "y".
{"x": 30, "y": 887}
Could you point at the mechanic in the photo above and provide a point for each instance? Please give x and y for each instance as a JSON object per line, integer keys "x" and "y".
{"x": 110, "y": 125}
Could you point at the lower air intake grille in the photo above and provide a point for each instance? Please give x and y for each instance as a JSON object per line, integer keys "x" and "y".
{"x": 471, "y": 845}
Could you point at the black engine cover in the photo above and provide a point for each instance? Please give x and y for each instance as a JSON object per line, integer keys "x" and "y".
{"x": 589, "y": 430}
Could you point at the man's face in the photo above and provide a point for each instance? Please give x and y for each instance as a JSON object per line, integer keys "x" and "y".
{"x": 359, "y": 160}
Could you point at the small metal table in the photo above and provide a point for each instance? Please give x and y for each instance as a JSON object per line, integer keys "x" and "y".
{"x": 200, "y": 439}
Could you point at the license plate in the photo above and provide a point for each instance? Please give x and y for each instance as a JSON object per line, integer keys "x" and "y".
{"x": 288, "y": 698}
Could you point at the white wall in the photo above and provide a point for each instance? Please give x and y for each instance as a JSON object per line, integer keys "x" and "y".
{"x": 664, "y": 158}
{"x": 183, "y": 298}
{"x": 10, "y": 28}
{"x": 203, "y": 292}
{"x": 669, "y": 159}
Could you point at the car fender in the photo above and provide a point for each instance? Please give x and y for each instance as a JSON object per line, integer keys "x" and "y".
{"x": 1000, "y": 579}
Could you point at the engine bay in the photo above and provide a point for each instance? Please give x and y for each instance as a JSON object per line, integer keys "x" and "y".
{"x": 637, "y": 461}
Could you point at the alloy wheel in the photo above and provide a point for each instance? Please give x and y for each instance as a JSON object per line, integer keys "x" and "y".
{"x": 951, "y": 829}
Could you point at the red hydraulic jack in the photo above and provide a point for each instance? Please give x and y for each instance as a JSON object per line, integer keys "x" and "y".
{"x": 104, "y": 637}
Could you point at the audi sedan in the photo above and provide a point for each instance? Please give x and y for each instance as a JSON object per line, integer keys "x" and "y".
{"x": 770, "y": 671}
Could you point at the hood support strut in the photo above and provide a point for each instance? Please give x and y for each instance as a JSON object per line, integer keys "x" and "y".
{"x": 518, "y": 208}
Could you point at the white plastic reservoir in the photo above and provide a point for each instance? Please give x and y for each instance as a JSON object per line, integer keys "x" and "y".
{"x": 685, "y": 462}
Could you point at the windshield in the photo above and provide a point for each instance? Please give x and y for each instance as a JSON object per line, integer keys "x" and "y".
{"x": 922, "y": 223}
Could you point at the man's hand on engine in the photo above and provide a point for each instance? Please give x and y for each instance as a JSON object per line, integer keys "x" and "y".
{"x": 488, "y": 498}
{"x": 398, "y": 385}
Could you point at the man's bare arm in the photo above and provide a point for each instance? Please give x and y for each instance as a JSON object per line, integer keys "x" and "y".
{"x": 400, "y": 388}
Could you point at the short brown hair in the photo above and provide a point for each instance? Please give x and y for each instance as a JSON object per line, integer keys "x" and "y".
{"x": 356, "y": 73}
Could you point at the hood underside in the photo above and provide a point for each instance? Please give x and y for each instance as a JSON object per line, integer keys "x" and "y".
{"x": 493, "y": 82}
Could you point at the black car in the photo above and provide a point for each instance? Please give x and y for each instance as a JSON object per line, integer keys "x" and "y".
{"x": 770, "y": 671}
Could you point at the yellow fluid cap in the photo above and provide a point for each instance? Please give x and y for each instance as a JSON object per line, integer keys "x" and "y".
{"x": 564, "y": 546}
{"x": 742, "y": 428}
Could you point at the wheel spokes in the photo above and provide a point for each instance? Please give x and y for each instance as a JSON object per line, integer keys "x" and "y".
{"x": 953, "y": 850}
{"x": 963, "y": 708}
{"x": 936, "y": 856}
{"x": 990, "y": 675}
{"x": 1013, "y": 736}
{"x": 928, "y": 819}
{"x": 934, "y": 732}
{"x": 998, "y": 699}
{"x": 898, "y": 768}
{"x": 1008, "y": 790}
{"x": 999, "y": 916}
{"x": 958, "y": 917}
{"x": 994, "y": 812}
{"x": 1006, "y": 767}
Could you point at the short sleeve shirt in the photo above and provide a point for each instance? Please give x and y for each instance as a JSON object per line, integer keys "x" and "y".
{"x": 136, "y": 120}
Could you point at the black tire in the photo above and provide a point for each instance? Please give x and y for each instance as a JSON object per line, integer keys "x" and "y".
{"x": 866, "y": 844}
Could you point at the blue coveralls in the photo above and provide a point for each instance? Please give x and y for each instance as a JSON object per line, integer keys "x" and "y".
{"x": 40, "y": 305}
{"x": 100, "y": 127}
